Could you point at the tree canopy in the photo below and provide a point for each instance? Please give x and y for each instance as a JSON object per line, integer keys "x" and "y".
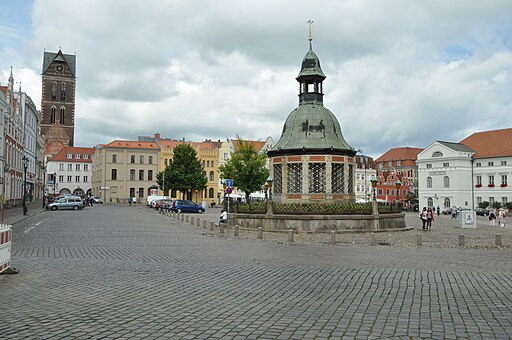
{"x": 246, "y": 168}
{"x": 184, "y": 171}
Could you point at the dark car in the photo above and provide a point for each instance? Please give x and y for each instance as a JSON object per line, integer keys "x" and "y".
{"x": 163, "y": 204}
{"x": 482, "y": 211}
{"x": 186, "y": 206}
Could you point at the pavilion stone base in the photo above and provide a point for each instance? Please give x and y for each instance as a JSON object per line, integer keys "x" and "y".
{"x": 322, "y": 223}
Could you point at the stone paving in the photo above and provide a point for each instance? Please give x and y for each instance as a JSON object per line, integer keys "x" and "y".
{"x": 114, "y": 272}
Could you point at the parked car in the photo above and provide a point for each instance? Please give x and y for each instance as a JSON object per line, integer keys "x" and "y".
{"x": 162, "y": 203}
{"x": 186, "y": 206}
{"x": 150, "y": 200}
{"x": 70, "y": 202}
{"x": 482, "y": 211}
{"x": 97, "y": 199}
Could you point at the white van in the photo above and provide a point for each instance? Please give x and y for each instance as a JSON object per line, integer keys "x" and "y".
{"x": 154, "y": 198}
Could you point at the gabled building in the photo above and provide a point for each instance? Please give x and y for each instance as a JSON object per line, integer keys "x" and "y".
{"x": 70, "y": 172}
{"x": 365, "y": 171}
{"x": 465, "y": 174}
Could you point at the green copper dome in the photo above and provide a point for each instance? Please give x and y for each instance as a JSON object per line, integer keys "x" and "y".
{"x": 311, "y": 128}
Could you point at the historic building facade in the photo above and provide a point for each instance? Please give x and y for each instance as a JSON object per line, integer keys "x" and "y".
{"x": 58, "y": 101}
{"x": 365, "y": 171}
{"x": 403, "y": 162}
{"x": 312, "y": 162}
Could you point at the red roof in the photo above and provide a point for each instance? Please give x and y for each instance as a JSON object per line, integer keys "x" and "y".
{"x": 258, "y": 145}
{"x": 127, "y": 144}
{"x": 62, "y": 155}
{"x": 494, "y": 143}
{"x": 400, "y": 154}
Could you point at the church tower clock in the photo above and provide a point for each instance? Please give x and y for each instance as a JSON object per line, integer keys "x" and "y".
{"x": 58, "y": 101}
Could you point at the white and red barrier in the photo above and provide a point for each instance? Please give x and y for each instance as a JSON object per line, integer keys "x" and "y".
{"x": 5, "y": 246}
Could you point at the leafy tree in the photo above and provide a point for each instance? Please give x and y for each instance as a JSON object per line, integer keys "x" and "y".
{"x": 184, "y": 171}
{"x": 246, "y": 168}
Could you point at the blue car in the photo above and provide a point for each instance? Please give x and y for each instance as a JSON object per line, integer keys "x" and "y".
{"x": 180, "y": 206}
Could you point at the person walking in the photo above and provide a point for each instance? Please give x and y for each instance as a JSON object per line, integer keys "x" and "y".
{"x": 423, "y": 217}
{"x": 438, "y": 211}
{"x": 501, "y": 217}
{"x": 130, "y": 201}
{"x": 454, "y": 212}
{"x": 492, "y": 218}
{"x": 430, "y": 218}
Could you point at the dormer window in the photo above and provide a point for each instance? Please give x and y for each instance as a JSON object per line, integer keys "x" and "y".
{"x": 86, "y": 156}
{"x": 70, "y": 156}
{"x": 77, "y": 156}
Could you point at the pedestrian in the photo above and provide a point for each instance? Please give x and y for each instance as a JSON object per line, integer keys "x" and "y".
{"x": 91, "y": 201}
{"x": 454, "y": 212}
{"x": 423, "y": 217}
{"x": 130, "y": 201}
{"x": 492, "y": 218}
{"x": 223, "y": 216}
{"x": 438, "y": 211}
{"x": 430, "y": 218}
{"x": 501, "y": 217}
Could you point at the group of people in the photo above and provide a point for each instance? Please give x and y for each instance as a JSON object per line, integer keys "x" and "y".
{"x": 427, "y": 217}
{"x": 501, "y": 218}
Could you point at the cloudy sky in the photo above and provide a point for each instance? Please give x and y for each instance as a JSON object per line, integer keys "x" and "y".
{"x": 399, "y": 72}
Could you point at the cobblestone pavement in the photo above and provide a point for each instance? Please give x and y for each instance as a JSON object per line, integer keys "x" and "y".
{"x": 112, "y": 272}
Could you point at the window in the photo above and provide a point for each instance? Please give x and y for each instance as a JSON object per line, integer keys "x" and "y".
{"x": 387, "y": 192}
{"x": 132, "y": 192}
{"x": 380, "y": 192}
{"x": 478, "y": 165}
{"x": 446, "y": 181}
{"x": 70, "y": 179}
{"x": 390, "y": 164}
{"x": 70, "y": 167}
{"x": 503, "y": 162}
{"x": 479, "y": 200}
{"x": 61, "y": 166}
{"x": 132, "y": 159}
{"x": 491, "y": 180}
{"x": 61, "y": 178}
{"x": 447, "y": 203}
{"x": 165, "y": 162}
{"x": 212, "y": 163}
{"x": 132, "y": 175}
{"x": 77, "y": 179}
{"x": 141, "y": 175}
{"x": 63, "y": 92}
{"x": 429, "y": 166}
{"x": 357, "y": 188}
{"x": 430, "y": 202}
{"x": 69, "y": 156}
{"x": 77, "y": 167}
{"x": 204, "y": 174}
{"x": 504, "y": 200}
{"x": 77, "y": 156}
{"x": 62, "y": 115}
{"x": 437, "y": 154}
{"x": 86, "y": 156}
{"x": 53, "y": 112}
{"x": 141, "y": 159}
{"x": 429, "y": 182}
{"x": 141, "y": 192}
{"x": 446, "y": 165}
{"x": 150, "y": 175}
{"x": 212, "y": 176}
{"x": 208, "y": 163}
{"x": 225, "y": 155}
{"x": 114, "y": 158}
{"x": 203, "y": 163}
{"x": 491, "y": 200}
{"x": 504, "y": 181}
{"x": 150, "y": 159}
{"x": 211, "y": 193}
{"x": 490, "y": 163}
{"x": 54, "y": 91}
{"x": 478, "y": 180}
{"x": 357, "y": 176}
{"x": 398, "y": 163}
{"x": 86, "y": 179}
{"x": 114, "y": 174}
{"x": 86, "y": 167}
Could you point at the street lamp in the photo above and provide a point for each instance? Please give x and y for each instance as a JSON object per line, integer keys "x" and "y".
{"x": 398, "y": 184}
{"x": 25, "y": 164}
{"x": 269, "y": 183}
{"x": 374, "y": 186}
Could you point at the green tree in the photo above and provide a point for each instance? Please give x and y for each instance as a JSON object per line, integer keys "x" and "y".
{"x": 184, "y": 171}
{"x": 246, "y": 168}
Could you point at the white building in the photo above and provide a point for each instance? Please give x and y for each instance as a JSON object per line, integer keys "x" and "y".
{"x": 465, "y": 174}
{"x": 365, "y": 171}
{"x": 70, "y": 172}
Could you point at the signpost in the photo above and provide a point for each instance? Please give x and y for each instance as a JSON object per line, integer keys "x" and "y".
{"x": 229, "y": 190}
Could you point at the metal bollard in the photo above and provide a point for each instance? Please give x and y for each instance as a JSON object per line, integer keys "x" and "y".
{"x": 461, "y": 240}
{"x": 237, "y": 230}
{"x": 212, "y": 226}
{"x": 221, "y": 227}
{"x": 499, "y": 240}
{"x": 419, "y": 241}
{"x": 373, "y": 240}
{"x": 290, "y": 235}
{"x": 333, "y": 238}
{"x": 260, "y": 233}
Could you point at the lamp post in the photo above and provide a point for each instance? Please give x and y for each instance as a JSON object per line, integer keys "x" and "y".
{"x": 398, "y": 184}
{"x": 269, "y": 183}
{"x": 374, "y": 187}
{"x": 25, "y": 164}
{"x": 270, "y": 208}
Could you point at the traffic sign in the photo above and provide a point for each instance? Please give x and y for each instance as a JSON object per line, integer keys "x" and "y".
{"x": 229, "y": 190}
{"x": 229, "y": 183}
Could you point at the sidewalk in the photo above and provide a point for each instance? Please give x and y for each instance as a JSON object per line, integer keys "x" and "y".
{"x": 15, "y": 214}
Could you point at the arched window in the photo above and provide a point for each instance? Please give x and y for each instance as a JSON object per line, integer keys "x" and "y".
{"x": 141, "y": 175}
{"x": 150, "y": 175}
{"x": 447, "y": 203}
{"x": 54, "y": 91}
{"x": 204, "y": 174}
{"x": 132, "y": 175}
{"x": 429, "y": 182}
{"x": 132, "y": 192}
{"x": 53, "y": 112}
{"x": 141, "y": 192}
{"x": 212, "y": 164}
{"x": 203, "y": 163}
{"x": 63, "y": 92}
{"x": 62, "y": 114}
{"x": 211, "y": 192}
{"x": 446, "y": 181}
{"x": 212, "y": 175}
{"x": 430, "y": 202}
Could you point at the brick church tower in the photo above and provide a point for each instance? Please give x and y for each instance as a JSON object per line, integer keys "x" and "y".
{"x": 58, "y": 101}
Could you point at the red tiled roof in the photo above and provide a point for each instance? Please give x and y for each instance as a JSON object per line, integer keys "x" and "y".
{"x": 404, "y": 153}
{"x": 62, "y": 155}
{"x": 258, "y": 145}
{"x": 128, "y": 144}
{"x": 494, "y": 143}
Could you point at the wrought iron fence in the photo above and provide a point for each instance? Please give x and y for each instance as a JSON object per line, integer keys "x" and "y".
{"x": 260, "y": 207}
